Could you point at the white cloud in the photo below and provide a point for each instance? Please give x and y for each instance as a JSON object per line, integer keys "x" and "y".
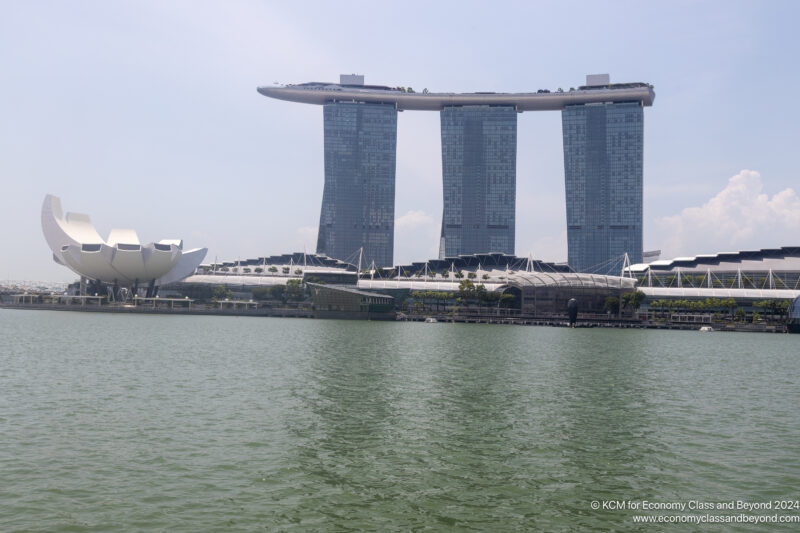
{"x": 416, "y": 237}
{"x": 742, "y": 215}
{"x": 307, "y": 235}
{"x": 546, "y": 247}
{"x": 412, "y": 220}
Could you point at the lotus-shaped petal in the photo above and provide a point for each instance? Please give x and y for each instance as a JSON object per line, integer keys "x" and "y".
{"x": 122, "y": 259}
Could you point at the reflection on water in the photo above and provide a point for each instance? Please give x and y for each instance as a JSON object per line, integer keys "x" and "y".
{"x": 220, "y": 423}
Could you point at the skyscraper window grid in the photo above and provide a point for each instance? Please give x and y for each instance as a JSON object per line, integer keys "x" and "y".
{"x": 479, "y": 155}
{"x": 603, "y": 171}
{"x": 358, "y": 198}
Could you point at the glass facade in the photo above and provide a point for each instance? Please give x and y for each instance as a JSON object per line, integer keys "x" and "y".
{"x": 794, "y": 311}
{"x": 603, "y": 146}
{"x": 358, "y": 198}
{"x": 479, "y": 170}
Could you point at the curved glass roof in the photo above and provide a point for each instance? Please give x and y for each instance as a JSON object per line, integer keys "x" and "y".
{"x": 569, "y": 280}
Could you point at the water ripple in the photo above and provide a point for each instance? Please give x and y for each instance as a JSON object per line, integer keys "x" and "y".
{"x": 238, "y": 424}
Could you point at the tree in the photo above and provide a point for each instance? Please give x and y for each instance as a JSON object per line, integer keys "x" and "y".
{"x": 221, "y": 293}
{"x": 506, "y": 300}
{"x": 485, "y": 276}
{"x": 273, "y": 268}
{"x": 263, "y": 293}
{"x": 730, "y": 305}
{"x": 633, "y": 299}
{"x": 259, "y": 270}
{"x": 459, "y": 274}
{"x": 277, "y": 292}
{"x": 480, "y": 292}
{"x": 294, "y": 289}
{"x": 466, "y": 289}
{"x": 298, "y": 271}
{"x": 611, "y": 304}
{"x": 285, "y": 270}
{"x": 472, "y": 275}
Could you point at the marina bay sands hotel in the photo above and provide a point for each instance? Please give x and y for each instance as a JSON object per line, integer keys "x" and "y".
{"x": 602, "y": 127}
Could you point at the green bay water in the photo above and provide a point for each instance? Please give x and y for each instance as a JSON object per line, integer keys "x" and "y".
{"x": 190, "y": 423}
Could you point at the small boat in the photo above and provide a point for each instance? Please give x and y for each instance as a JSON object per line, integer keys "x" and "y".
{"x": 706, "y": 329}
{"x": 430, "y": 320}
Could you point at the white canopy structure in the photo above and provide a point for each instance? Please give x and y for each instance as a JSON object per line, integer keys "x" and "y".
{"x": 122, "y": 259}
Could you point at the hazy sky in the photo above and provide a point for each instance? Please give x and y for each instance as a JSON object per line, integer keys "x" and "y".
{"x": 145, "y": 115}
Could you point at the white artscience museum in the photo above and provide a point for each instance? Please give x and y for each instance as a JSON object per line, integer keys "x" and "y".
{"x": 121, "y": 261}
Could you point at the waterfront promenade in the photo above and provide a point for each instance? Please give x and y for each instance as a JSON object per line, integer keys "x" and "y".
{"x": 247, "y": 308}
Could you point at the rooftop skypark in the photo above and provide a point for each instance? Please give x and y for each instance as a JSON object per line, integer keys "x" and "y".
{"x": 320, "y": 93}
